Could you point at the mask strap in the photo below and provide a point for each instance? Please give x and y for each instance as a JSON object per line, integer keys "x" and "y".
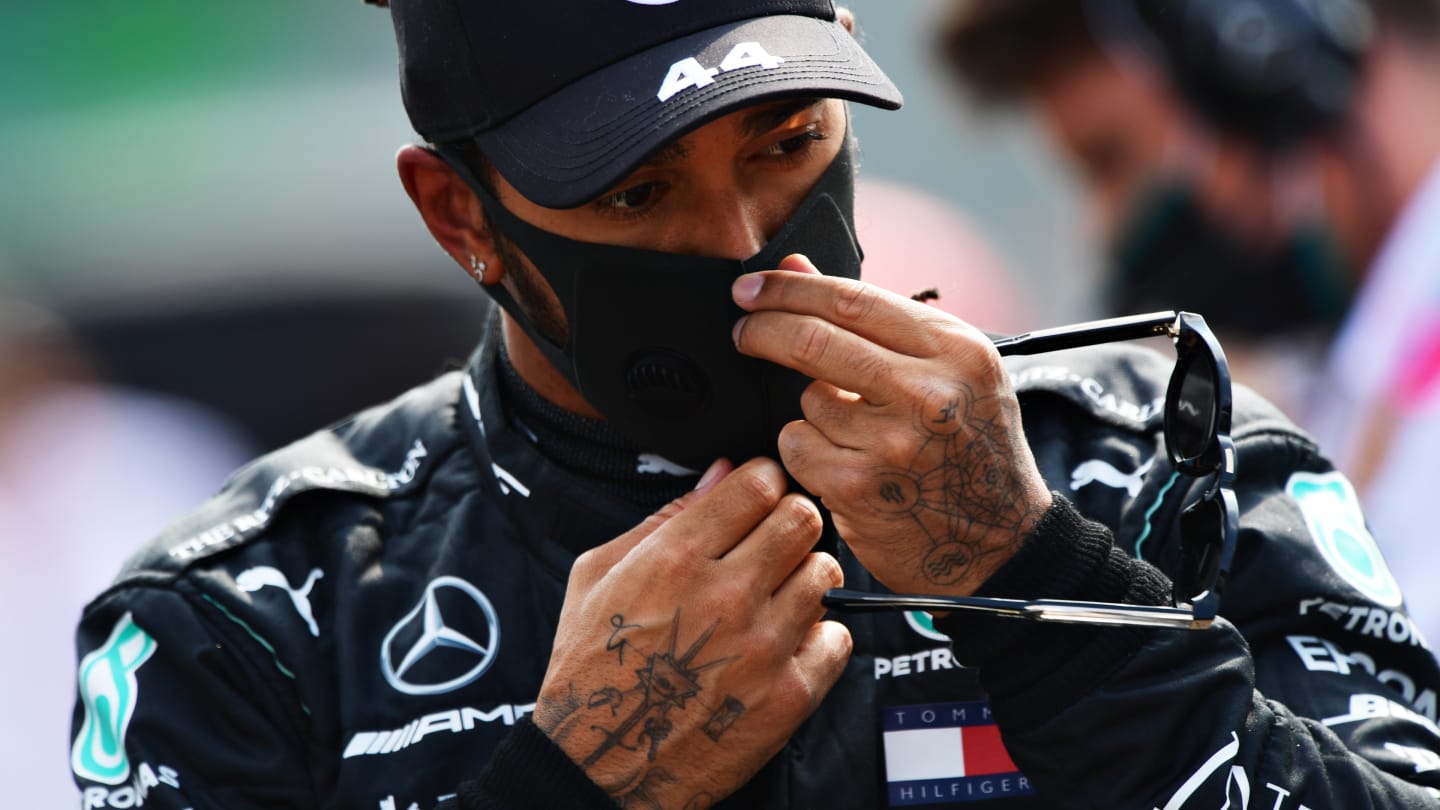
{"x": 505, "y": 224}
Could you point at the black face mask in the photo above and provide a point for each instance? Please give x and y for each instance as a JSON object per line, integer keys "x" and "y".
{"x": 649, "y": 332}
{"x": 1174, "y": 255}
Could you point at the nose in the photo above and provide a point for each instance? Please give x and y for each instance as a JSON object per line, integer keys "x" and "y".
{"x": 1104, "y": 215}
{"x": 726, "y": 226}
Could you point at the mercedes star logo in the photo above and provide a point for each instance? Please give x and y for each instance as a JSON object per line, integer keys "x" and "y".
{"x": 425, "y": 666}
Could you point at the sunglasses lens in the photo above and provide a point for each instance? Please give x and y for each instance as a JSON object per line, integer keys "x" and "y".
{"x": 1191, "y": 425}
{"x": 1202, "y": 536}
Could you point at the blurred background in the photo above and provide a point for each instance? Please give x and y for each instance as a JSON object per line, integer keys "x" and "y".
{"x": 205, "y": 253}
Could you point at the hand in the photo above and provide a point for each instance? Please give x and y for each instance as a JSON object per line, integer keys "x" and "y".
{"x": 690, "y": 648}
{"x": 912, "y": 434}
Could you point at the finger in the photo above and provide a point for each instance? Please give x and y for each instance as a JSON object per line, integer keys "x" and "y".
{"x": 717, "y": 520}
{"x": 778, "y": 544}
{"x": 887, "y": 318}
{"x": 597, "y": 562}
{"x": 816, "y": 664}
{"x": 798, "y": 263}
{"x": 821, "y": 658}
{"x": 820, "y": 349}
{"x": 823, "y": 468}
{"x": 832, "y": 411}
{"x": 799, "y": 595}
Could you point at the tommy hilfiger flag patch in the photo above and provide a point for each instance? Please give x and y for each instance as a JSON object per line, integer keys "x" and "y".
{"x": 937, "y": 753}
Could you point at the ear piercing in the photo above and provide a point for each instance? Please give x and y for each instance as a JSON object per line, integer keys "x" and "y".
{"x": 477, "y": 269}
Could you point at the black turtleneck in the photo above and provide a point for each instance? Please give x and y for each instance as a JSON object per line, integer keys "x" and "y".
{"x": 590, "y": 448}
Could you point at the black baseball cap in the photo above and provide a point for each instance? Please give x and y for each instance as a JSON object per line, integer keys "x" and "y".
{"x": 567, "y": 97}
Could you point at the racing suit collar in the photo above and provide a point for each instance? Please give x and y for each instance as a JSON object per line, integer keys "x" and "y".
{"x": 553, "y": 507}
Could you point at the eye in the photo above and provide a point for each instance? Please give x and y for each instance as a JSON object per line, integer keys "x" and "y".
{"x": 795, "y": 145}
{"x": 633, "y": 198}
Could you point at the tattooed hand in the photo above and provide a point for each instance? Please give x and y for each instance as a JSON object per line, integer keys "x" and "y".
{"x": 912, "y": 434}
{"x": 691, "y": 647}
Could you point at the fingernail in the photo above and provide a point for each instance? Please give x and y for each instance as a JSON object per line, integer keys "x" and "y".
{"x": 711, "y": 474}
{"x": 747, "y": 287}
{"x": 735, "y": 332}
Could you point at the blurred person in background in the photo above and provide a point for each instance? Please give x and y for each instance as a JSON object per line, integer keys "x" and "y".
{"x": 1274, "y": 165}
{"x": 87, "y": 470}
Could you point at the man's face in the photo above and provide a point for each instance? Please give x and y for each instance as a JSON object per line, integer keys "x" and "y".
{"x": 1122, "y": 130}
{"x": 721, "y": 191}
{"x": 1111, "y": 127}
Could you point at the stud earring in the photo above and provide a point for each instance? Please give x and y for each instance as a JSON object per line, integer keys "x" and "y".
{"x": 477, "y": 269}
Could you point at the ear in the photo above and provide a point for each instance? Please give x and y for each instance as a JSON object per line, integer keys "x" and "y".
{"x": 846, "y": 17}
{"x": 450, "y": 210}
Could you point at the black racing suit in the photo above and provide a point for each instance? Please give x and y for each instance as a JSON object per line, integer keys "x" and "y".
{"x": 361, "y": 619}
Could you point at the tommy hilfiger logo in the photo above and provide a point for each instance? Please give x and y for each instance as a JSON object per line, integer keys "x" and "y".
{"x": 947, "y": 752}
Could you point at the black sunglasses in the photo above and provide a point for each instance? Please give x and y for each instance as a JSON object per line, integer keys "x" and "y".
{"x": 1197, "y": 439}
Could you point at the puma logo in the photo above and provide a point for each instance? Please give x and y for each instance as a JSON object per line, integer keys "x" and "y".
{"x": 651, "y": 463}
{"x": 258, "y": 577}
{"x": 1099, "y": 470}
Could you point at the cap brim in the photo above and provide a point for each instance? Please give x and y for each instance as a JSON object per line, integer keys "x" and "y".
{"x": 574, "y": 145}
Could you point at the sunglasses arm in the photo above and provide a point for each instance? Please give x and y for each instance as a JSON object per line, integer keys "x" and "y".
{"x": 1129, "y": 327}
{"x": 1041, "y": 610}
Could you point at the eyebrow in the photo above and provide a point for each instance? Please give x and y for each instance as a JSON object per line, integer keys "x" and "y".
{"x": 755, "y": 123}
{"x": 760, "y": 121}
{"x": 672, "y": 152}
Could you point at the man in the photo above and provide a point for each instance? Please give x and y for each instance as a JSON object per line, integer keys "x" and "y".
{"x": 1284, "y": 182}
{"x": 459, "y": 596}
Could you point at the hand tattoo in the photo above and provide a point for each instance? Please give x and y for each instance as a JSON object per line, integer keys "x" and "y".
{"x": 617, "y": 622}
{"x": 666, "y": 683}
{"x": 961, "y": 487}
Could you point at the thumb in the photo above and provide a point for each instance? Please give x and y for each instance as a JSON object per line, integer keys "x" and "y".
{"x": 799, "y": 263}
{"x": 602, "y": 558}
